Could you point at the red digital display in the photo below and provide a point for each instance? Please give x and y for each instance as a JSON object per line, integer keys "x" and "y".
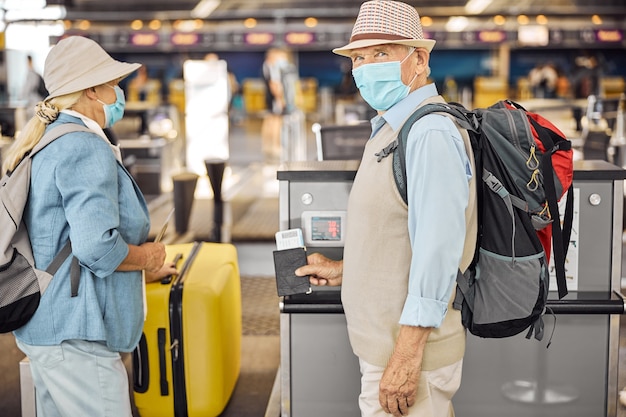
{"x": 326, "y": 228}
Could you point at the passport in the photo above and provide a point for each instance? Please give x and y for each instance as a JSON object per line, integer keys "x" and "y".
{"x": 285, "y": 264}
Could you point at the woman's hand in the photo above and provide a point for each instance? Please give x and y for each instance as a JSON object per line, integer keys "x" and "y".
{"x": 154, "y": 256}
{"x": 167, "y": 269}
{"x": 149, "y": 256}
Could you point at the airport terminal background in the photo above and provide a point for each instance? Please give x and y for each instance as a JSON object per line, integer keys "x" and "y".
{"x": 153, "y": 137}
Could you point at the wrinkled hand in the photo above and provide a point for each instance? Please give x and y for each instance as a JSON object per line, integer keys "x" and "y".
{"x": 400, "y": 381}
{"x": 167, "y": 269}
{"x": 154, "y": 256}
{"x": 398, "y": 386}
{"x": 322, "y": 270}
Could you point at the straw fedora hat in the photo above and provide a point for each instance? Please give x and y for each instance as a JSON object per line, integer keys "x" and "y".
{"x": 384, "y": 21}
{"x": 77, "y": 63}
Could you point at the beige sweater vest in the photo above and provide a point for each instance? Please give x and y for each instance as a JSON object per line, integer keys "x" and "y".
{"x": 377, "y": 260}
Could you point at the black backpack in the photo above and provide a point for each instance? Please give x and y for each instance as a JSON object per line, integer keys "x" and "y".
{"x": 21, "y": 284}
{"x": 526, "y": 166}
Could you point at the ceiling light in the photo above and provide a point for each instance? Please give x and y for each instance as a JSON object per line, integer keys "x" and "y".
{"x": 310, "y": 22}
{"x": 136, "y": 24}
{"x": 596, "y": 20}
{"x": 542, "y": 19}
{"x": 476, "y": 6}
{"x": 84, "y": 25}
{"x": 456, "y": 23}
{"x": 24, "y": 37}
{"x": 499, "y": 20}
{"x": 187, "y": 25}
{"x": 426, "y": 21}
{"x": 53, "y": 12}
{"x": 154, "y": 24}
{"x": 249, "y": 22}
{"x": 204, "y": 8}
{"x": 523, "y": 19}
{"x": 23, "y": 4}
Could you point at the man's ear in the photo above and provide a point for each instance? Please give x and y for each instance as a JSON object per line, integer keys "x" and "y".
{"x": 423, "y": 57}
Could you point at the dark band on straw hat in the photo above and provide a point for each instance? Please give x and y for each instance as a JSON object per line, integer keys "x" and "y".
{"x": 382, "y": 22}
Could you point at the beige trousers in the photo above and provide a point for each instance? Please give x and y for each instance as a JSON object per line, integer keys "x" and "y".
{"x": 434, "y": 394}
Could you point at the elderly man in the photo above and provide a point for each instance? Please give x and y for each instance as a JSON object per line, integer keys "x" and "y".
{"x": 398, "y": 273}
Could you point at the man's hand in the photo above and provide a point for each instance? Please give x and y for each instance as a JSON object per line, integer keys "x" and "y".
{"x": 322, "y": 270}
{"x": 400, "y": 381}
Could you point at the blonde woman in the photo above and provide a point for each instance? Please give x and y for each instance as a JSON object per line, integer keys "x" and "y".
{"x": 80, "y": 191}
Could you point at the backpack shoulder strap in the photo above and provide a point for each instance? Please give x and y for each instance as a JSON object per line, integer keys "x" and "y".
{"x": 66, "y": 251}
{"x": 465, "y": 119}
{"x": 58, "y": 260}
{"x": 55, "y": 133}
{"x": 560, "y": 235}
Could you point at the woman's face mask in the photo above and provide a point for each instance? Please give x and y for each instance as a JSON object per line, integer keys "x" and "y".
{"x": 380, "y": 83}
{"x": 114, "y": 112}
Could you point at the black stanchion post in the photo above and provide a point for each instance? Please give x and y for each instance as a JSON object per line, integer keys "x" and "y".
{"x": 577, "y": 114}
{"x": 215, "y": 171}
{"x": 184, "y": 189}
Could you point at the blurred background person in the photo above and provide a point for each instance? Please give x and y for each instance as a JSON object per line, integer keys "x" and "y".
{"x": 543, "y": 81}
{"x": 34, "y": 89}
{"x": 274, "y": 103}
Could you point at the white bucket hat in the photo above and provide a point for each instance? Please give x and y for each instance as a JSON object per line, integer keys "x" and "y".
{"x": 77, "y": 63}
{"x": 384, "y": 21}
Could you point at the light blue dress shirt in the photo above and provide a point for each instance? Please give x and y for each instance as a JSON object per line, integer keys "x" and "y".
{"x": 438, "y": 174}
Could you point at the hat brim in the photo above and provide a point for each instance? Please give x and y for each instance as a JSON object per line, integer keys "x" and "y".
{"x": 111, "y": 71}
{"x": 427, "y": 44}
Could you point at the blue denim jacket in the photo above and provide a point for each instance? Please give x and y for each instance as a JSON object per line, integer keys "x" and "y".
{"x": 81, "y": 192}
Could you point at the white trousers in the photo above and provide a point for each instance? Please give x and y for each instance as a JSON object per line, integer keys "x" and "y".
{"x": 78, "y": 378}
{"x": 434, "y": 394}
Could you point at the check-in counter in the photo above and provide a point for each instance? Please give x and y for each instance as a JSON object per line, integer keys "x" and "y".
{"x": 153, "y": 161}
{"x": 576, "y": 376}
{"x": 318, "y": 371}
{"x": 151, "y": 144}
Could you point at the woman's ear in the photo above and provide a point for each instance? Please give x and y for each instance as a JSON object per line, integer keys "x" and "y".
{"x": 90, "y": 93}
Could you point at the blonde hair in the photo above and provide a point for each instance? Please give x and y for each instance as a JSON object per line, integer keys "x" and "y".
{"x": 45, "y": 113}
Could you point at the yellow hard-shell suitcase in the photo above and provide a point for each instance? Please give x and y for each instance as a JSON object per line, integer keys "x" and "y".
{"x": 188, "y": 360}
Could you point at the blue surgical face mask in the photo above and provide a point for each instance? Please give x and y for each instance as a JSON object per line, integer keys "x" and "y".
{"x": 114, "y": 112}
{"x": 380, "y": 83}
